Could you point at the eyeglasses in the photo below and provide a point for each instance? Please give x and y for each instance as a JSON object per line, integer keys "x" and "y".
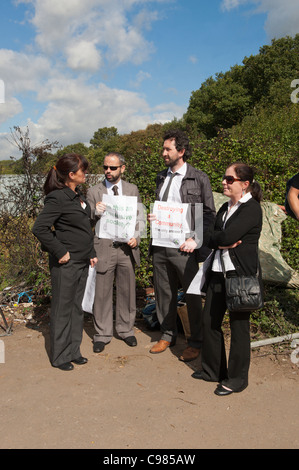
{"x": 112, "y": 168}
{"x": 230, "y": 179}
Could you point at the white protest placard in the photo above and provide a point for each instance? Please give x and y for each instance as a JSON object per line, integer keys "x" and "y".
{"x": 118, "y": 222}
{"x": 171, "y": 225}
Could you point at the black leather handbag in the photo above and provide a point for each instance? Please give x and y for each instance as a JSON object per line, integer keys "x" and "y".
{"x": 243, "y": 293}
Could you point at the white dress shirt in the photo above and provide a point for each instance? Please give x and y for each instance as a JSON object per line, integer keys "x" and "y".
{"x": 110, "y": 185}
{"x": 174, "y": 191}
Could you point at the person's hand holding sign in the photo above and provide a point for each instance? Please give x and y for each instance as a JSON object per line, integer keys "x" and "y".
{"x": 189, "y": 245}
{"x": 100, "y": 208}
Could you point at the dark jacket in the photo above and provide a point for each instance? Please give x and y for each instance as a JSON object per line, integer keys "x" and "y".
{"x": 195, "y": 188}
{"x": 245, "y": 225}
{"x": 73, "y": 233}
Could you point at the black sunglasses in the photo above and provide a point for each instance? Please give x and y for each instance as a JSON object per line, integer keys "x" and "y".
{"x": 230, "y": 179}
{"x": 112, "y": 168}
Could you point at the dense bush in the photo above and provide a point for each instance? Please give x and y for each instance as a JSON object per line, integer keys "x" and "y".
{"x": 21, "y": 257}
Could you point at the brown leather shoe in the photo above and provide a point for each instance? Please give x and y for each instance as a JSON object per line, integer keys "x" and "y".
{"x": 189, "y": 354}
{"x": 160, "y": 346}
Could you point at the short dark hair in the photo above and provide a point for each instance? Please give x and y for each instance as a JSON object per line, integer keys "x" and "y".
{"x": 181, "y": 141}
{"x": 121, "y": 158}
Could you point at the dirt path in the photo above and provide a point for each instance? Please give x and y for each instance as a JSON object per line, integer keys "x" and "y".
{"x": 126, "y": 398}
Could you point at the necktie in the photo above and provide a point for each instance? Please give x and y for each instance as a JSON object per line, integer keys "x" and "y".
{"x": 115, "y": 190}
{"x": 166, "y": 192}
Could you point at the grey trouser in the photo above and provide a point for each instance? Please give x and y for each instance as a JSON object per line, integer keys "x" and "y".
{"x": 120, "y": 268}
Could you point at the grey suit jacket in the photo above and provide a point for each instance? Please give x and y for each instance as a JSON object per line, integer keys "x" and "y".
{"x": 103, "y": 246}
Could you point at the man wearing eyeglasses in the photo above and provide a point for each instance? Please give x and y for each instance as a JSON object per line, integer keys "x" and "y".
{"x": 116, "y": 262}
{"x": 172, "y": 266}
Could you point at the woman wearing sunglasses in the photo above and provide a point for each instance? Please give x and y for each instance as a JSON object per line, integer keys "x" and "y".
{"x": 235, "y": 238}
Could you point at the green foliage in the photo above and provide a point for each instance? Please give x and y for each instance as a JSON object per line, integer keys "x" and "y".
{"x": 220, "y": 102}
{"x": 105, "y": 140}
{"x": 290, "y": 243}
{"x": 263, "y": 80}
{"x": 7, "y": 167}
{"x": 21, "y": 257}
{"x": 279, "y": 315}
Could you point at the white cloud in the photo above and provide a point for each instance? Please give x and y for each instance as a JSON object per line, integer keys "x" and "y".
{"x": 10, "y": 108}
{"x": 96, "y": 25}
{"x": 74, "y": 41}
{"x": 7, "y": 148}
{"x": 76, "y": 111}
{"x": 282, "y": 15}
{"x": 230, "y": 4}
{"x": 22, "y": 72}
{"x": 141, "y": 76}
{"x": 83, "y": 55}
{"x": 166, "y": 112}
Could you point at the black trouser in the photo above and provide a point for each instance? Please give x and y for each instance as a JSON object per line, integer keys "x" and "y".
{"x": 66, "y": 319}
{"x": 215, "y": 368}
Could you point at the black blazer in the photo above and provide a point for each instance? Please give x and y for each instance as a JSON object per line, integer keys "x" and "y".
{"x": 245, "y": 225}
{"x": 73, "y": 233}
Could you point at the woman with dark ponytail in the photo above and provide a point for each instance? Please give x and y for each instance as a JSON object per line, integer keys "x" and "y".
{"x": 70, "y": 248}
{"x": 235, "y": 243}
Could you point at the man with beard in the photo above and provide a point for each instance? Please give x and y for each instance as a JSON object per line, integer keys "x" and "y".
{"x": 178, "y": 266}
{"x": 116, "y": 261}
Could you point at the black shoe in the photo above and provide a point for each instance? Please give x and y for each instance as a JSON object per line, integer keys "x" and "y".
{"x": 80, "y": 360}
{"x": 131, "y": 341}
{"x": 221, "y": 391}
{"x": 197, "y": 375}
{"x": 98, "y": 346}
{"x": 65, "y": 366}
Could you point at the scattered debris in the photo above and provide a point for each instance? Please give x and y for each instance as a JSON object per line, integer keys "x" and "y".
{"x": 18, "y": 305}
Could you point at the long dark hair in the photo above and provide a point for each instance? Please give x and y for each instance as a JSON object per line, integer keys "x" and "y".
{"x": 246, "y": 173}
{"x": 57, "y": 176}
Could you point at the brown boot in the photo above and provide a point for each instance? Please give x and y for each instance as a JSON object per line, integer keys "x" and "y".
{"x": 189, "y": 354}
{"x": 160, "y": 346}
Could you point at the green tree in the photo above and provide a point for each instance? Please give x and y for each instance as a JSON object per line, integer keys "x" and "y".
{"x": 264, "y": 80}
{"x": 106, "y": 139}
{"x": 219, "y": 103}
{"x": 270, "y": 73}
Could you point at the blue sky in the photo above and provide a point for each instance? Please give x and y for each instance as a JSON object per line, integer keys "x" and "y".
{"x": 70, "y": 67}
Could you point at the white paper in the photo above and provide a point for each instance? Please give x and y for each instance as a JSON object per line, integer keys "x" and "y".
{"x": 88, "y": 298}
{"x": 199, "y": 279}
{"x": 118, "y": 222}
{"x": 170, "y": 227}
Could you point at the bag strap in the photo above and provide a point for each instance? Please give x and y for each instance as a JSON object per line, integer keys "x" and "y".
{"x": 221, "y": 251}
{"x": 222, "y": 263}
